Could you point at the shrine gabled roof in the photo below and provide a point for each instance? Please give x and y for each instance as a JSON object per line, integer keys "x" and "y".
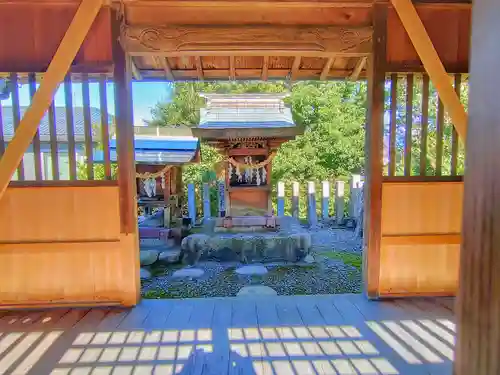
{"x": 158, "y": 150}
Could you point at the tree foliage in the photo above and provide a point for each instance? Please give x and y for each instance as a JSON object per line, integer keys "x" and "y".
{"x": 333, "y": 115}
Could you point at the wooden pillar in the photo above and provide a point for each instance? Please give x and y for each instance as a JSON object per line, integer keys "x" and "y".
{"x": 478, "y": 300}
{"x": 374, "y": 151}
{"x": 124, "y": 133}
{"x": 192, "y": 203}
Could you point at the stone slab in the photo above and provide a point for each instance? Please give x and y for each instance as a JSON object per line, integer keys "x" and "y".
{"x": 256, "y": 290}
{"x": 254, "y": 269}
{"x": 188, "y": 272}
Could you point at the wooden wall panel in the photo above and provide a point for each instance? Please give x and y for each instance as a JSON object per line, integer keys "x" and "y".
{"x": 51, "y": 214}
{"x": 39, "y": 30}
{"x": 420, "y": 246}
{"x": 421, "y": 207}
{"x": 419, "y": 269}
{"x": 68, "y": 273}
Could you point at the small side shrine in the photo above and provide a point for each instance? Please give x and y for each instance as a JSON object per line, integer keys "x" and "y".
{"x": 248, "y": 130}
{"x": 159, "y": 160}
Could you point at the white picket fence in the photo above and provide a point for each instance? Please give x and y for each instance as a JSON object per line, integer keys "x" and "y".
{"x": 339, "y": 202}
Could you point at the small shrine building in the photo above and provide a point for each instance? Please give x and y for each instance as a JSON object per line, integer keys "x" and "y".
{"x": 247, "y": 129}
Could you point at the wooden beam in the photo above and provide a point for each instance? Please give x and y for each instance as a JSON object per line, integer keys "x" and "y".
{"x": 166, "y": 67}
{"x": 247, "y": 73}
{"x": 232, "y": 69}
{"x": 422, "y": 239}
{"x": 245, "y": 4}
{"x": 393, "y": 124}
{"x": 477, "y": 305}
{"x": 295, "y": 68}
{"x": 408, "y": 125}
{"x": 103, "y": 101}
{"x": 425, "y": 125}
{"x": 65, "y": 54}
{"x": 326, "y": 68}
{"x": 247, "y": 40}
{"x": 36, "y": 139}
{"x": 199, "y": 68}
{"x": 68, "y": 99}
{"x": 16, "y": 117}
{"x": 374, "y": 147}
{"x": 135, "y": 72}
{"x": 265, "y": 68}
{"x": 432, "y": 63}
{"x": 358, "y": 68}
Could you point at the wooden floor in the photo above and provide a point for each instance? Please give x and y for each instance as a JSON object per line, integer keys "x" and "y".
{"x": 341, "y": 334}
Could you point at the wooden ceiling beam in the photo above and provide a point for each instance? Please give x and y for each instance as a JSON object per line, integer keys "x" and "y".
{"x": 255, "y": 3}
{"x": 265, "y": 68}
{"x": 295, "y": 67}
{"x": 326, "y": 68}
{"x": 232, "y": 71}
{"x": 166, "y": 67}
{"x": 199, "y": 68}
{"x": 135, "y": 72}
{"x": 358, "y": 68}
{"x": 248, "y": 73}
{"x": 260, "y": 40}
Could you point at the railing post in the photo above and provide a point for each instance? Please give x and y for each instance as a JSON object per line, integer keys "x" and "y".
{"x": 339, "y": 201}
{"x": 192, "y": 203}
{"x": 281, "y": 198}
{"x": 355, "y": 188}
{"x": 311, "y": 203}
{"x": 206, "y": 201}
{"x": 325, "y": 202}
{"x": 295, "y": 199}
{"x": 221, "y": 194}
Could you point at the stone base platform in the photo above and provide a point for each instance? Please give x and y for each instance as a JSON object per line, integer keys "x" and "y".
{"x": 288, "y": 243}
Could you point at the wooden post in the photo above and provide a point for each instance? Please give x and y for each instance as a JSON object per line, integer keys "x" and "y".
{"x": 374, "y": 152}
{"x": 295, "y": 199}
{"x": 339, "y": 202}
{"x": 192, "y": 203}
{"x": 281, "y": 198}
{"x": 478, "y": 301}
{"x": 325, "y": 201}
{"x": 311, "y": 204}
{"x": 206, "y": 201}
{"x": 124, "y": 134}
{"x": 64, "y": 56}
{"x": 355, "y": 190}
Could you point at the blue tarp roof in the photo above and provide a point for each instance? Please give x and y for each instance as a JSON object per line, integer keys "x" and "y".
{"x": 157, "y": 150}
{"x": 162, "y": 144}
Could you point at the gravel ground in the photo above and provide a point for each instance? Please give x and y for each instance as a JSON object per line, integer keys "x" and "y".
{"x": 337, "y": 270}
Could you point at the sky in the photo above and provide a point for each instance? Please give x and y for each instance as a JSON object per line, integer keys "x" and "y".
{"x": 145, "y": 96}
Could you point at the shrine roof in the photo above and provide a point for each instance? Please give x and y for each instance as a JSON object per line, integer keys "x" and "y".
{"x": 158, "y": 150}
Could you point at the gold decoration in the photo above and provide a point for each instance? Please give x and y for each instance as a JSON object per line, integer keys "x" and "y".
{"x": 146, "y": 175}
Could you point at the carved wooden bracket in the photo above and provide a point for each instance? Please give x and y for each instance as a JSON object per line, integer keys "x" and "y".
{"x": 246, "y": 40}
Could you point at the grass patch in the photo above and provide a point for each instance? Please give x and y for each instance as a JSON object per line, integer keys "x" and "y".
{"x": 350, "y": 259}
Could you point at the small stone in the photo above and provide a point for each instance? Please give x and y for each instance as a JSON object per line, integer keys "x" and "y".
{"x": 188, "y": 272}
{"x": 256, "y": 290}
{"x": 309, "y": 259}
{"x": 252, "y": 270}
{"x": 169, "y": 256}
{"x": 145, "y": 274}
{"x": 148, "y": 257}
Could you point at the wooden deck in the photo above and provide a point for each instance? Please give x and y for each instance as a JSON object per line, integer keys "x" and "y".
{"x": 340, "y": 334}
